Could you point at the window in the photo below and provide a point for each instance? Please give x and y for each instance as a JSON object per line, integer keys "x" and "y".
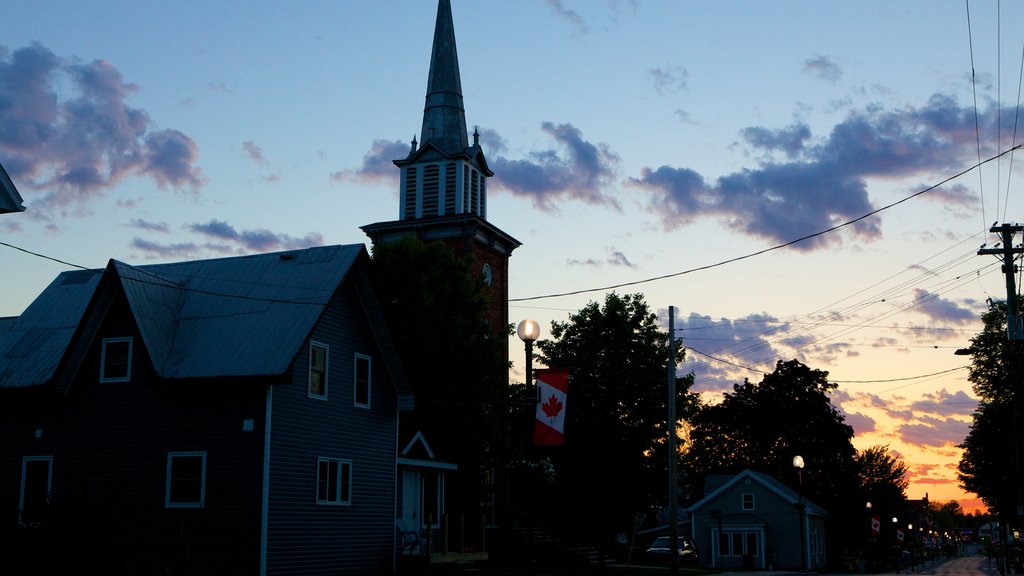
{"x": 748, "y": 502}
{"x": 333, "y": 481}
{"x": 317, "y": 370}
{"x": 116, "y": 360}
{"x": 362, "y": 381}
{"x": 738, "y": 543}
{"x": 186, "y": 480}
{"x": 34, "y": 503}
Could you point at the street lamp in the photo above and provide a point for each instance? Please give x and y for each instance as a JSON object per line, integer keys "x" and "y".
{"x": 798, "y": 463}
{"x": 528, "y": 331}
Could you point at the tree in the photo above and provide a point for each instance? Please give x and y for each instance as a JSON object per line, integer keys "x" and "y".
{"x": 459, "y": 376}
{"x": 612, "y": 463}
{"x": 988, "y": 464}
{"x": 882, "y": 478}
{"x": 763, "y": 426}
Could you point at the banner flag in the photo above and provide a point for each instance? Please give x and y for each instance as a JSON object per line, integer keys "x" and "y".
{"x": 876, "y": 525}
{"x": 552, "y": 387}
{"x": 899, "y": 535}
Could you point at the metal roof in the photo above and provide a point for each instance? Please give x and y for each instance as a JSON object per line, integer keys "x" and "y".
{"x": 33, "y": 345}
{"x": 241, "y": 316}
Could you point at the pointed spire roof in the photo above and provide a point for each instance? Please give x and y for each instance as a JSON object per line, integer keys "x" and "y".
{"x": 444, "y": 117}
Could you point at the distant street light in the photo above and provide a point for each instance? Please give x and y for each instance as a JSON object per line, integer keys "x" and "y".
{"x": 798, "y": 463}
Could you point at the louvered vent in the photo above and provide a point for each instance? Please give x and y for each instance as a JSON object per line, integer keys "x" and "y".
{"x": 450, "y": 171}
{"x": 410, "y": 192}
{"x": 431, "y": 189}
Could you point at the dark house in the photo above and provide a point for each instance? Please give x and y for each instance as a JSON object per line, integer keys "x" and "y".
{"x": 226, "y": 416}
{"x": 753, "y": 521}
{"x": 10, "y": 200}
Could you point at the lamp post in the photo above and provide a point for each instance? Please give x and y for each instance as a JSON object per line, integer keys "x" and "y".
{"x": 528, "y": 331}
{"x": 798, "y": 463}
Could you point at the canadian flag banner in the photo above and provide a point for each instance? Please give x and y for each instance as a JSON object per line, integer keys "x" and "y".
{"x": 552, "y": 386}
{"x": 876, "y": 525}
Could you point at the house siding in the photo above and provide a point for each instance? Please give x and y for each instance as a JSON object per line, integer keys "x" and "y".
{"x": 358, "y": 538}
{"x": 109, "y": 443}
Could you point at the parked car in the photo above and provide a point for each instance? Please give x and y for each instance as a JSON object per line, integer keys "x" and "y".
{"x": 661, "y": 548}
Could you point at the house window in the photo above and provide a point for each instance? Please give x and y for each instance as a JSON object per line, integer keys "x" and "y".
{"x": 317, "y": 370}
{"x": 116, "y": 360}
{"x": 748, "y": 502}
{"x": 738, "y": 543}
{"x": 362, "y": 381}
{"x": 34, "y": 502}
{"x": 186, "y": 480}
{"x": 333, "y": 481}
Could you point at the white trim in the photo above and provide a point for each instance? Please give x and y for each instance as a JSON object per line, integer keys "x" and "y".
{"x": 417, "y": 463}
{"x": 344, "y": 475}
{"x": 202, "y": 481}
{"x": 743, "y": 502}
{"x": 309, "y": 370}
{"x": 355, "y": 380}
{"x": 265, "y": 497}
{"x": 49, "y": 483}
{"x": 422, "y": 440}
{"x": 103, "y": 360}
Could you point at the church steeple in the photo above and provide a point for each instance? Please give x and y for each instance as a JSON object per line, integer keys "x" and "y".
{"x": 444, "y": 118}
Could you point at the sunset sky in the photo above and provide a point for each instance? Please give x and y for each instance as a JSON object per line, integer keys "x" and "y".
{"x": 658, "y": 146}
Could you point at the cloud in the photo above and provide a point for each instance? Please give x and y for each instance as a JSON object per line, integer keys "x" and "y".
{"x": 259, "y": 240}
{"x": 614, "y": 258}
{"x": 66, "y": 130}
{"x": 861, "y": 423}
{"x": 377, "y": 163}
{"x": 817, "y": 184}
{"x": 572, "y": 16}
{"x": 577, "y": 169}
{"x": 943, "y": 310}
{"x": 719, "y": 350}
{"x": 945, "y": 404}
{"x": 669, "y": 80}
{"x": 150, "y": 226}
{"x": 155, "y": 250}
{"x": 937, "y": 432}
{"x": 823, "y": 67}
{"x": 254, "y": 152}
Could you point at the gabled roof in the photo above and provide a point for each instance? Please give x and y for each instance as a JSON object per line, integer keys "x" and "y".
{"x": 10, "y": 200}
{"x": 226, "y": 317}
{"x": 784, "y": 492}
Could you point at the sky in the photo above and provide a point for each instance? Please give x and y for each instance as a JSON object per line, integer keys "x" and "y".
{"x": 798, "y": 179}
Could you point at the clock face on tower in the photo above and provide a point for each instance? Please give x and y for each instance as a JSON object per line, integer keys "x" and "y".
{"x": 488, "y": 275}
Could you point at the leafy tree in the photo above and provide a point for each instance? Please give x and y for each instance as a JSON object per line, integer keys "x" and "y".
{"x": 611, "y": 464}
{"x": 459, "y": 377}
{"x": 882, "y": 477}
{"x": 988, "y": 465}
{"x": 763, "y": 426}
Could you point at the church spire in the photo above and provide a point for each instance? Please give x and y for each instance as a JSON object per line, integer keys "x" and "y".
{"x": 444, "y": 118}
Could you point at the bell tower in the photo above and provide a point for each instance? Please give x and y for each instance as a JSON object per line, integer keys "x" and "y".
{"x": 443, "y": 186}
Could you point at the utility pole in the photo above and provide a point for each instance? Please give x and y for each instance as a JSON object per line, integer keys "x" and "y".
{"x": 1014, "y": 334}
{"x": 673, "y": 504}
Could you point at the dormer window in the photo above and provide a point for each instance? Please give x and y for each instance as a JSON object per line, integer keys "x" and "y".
{"x": 116, "y": 360}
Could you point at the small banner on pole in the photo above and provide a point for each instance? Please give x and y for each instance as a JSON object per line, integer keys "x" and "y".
{"x": 552, "y": 388}
{"x": 876, "y": 525}
{"x": 899, "y": 535}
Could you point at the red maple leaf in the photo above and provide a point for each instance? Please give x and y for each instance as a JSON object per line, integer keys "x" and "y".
{"x": 552, "y": 407}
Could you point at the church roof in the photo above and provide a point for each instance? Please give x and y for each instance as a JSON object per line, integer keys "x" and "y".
{"x": 444, "y": 117}
{"x": 10, "y": 200}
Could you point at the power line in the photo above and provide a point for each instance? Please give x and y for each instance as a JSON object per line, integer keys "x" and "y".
{"x": 771, "y": 248}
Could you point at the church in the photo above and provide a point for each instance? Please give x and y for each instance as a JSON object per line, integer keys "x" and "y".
{"x": 258, "y": 414}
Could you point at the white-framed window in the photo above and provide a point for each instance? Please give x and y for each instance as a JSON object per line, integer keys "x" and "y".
{"x": 186, "y": 480}
{"x": 116, "y": 359}
{"x": 748, "y": 502}
{"x": 739, "y": 543}
{"x": 34, "y": 500}
{"x": 361, "y": 380}
{"x": 333, "y": 481}
{"x": 318, "y": 356}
